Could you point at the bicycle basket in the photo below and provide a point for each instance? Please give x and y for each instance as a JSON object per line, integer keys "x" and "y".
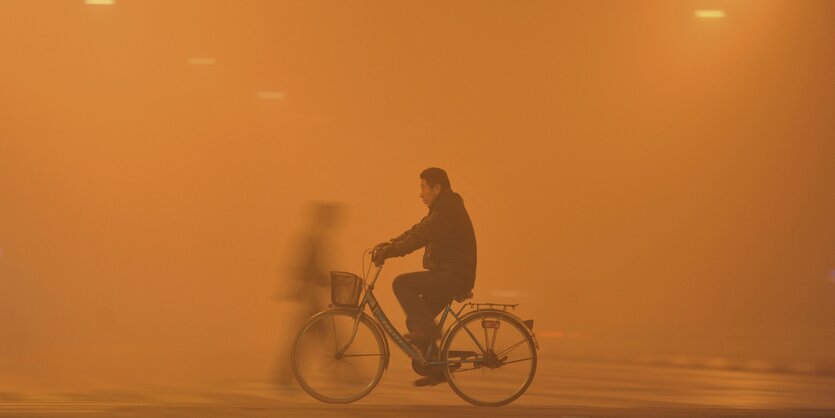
{"x": 345, "y": 288}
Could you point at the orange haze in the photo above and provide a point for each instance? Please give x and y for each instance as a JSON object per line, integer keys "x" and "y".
{"x": 634, "y": 172}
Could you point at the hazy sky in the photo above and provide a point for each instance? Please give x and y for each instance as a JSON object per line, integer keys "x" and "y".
{"x": 628, "y": 166}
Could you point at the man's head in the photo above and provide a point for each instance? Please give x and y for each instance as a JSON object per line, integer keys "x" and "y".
{"x": 432, "y": 181}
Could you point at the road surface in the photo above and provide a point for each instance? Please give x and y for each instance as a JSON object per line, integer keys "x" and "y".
{"x": 567, "y": 389}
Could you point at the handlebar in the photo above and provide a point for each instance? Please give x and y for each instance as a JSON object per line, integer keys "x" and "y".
{"x": 374, "y": 254}
{"x": 369, "y": 280}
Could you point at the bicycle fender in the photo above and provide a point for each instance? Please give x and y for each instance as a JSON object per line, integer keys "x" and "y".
{"x": 496, "y": 311}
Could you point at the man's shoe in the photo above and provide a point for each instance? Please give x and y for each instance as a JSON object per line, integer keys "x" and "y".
{"x": 430, "y": 380}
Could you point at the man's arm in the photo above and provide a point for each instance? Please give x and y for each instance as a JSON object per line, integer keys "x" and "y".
{"x": 420, "y": 234}
{"x": 403, "y": 235}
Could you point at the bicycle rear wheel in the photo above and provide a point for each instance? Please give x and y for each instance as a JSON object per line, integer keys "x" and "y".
{"x": 492, "y": 358}
{"x": 331, "y": 366}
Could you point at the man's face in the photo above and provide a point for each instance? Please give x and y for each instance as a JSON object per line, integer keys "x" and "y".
{"x": 428, "y": 194}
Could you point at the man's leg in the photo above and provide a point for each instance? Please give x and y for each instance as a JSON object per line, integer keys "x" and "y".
{"x": 408, "y": 288}
{"x": 434, "y": 305}
{"x": 433, "y": 373}
{"x": 423, "y": 294}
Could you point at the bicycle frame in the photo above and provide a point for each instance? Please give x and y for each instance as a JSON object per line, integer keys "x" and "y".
{"x": 392, "y": 332}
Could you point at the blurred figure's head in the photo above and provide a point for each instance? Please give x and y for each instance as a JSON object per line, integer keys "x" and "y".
{"x": 325, "y": 215}
{"x": 433, "y": 180}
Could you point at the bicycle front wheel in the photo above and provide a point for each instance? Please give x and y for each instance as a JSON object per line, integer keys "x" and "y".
{"x": 492, "y": 358}
{"x": 333, "y": 363}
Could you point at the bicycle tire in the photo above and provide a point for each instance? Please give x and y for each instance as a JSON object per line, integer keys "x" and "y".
{"x": 365, "y": 325}
{"x": 456, "y": 331}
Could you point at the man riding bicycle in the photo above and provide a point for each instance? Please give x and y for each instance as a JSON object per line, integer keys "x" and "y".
{"x": 449, "y": 259}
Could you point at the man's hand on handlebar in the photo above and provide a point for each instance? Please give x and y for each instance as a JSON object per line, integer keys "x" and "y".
{"x": 380, "y": 253}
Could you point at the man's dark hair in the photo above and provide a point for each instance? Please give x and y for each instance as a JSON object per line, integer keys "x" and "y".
{"x": 434, "y": 175}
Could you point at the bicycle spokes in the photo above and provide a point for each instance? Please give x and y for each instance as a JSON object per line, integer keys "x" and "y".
{"x": 492, "y": 358}
{"x": 337, "y": 359}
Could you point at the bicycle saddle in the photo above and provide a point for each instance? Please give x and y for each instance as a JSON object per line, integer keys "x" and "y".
{"x": 461, "y": 299}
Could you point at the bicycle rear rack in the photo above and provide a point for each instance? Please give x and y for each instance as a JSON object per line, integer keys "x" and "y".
{"x": 492, "y": 306}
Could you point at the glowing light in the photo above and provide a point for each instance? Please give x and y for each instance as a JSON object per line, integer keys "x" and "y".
{"x": 710, "y": 14}
{"x": 271, "y": 95}
{"x": 100, "y": 2}
{"x": 201, "y": 61}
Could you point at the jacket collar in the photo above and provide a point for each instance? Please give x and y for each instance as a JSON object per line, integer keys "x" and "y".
{"x": 444, "y": 194}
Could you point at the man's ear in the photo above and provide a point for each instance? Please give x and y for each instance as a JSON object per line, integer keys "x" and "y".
{"x": 436, "y": 188}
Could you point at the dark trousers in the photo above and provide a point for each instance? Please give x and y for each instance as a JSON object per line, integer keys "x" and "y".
{"x": 424, "y": 294}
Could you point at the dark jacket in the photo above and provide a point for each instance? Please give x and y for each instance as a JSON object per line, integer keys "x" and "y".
{"x": 447, "y": 233}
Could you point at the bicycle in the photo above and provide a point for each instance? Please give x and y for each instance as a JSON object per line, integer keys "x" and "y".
{"x": 359, "y": 347}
